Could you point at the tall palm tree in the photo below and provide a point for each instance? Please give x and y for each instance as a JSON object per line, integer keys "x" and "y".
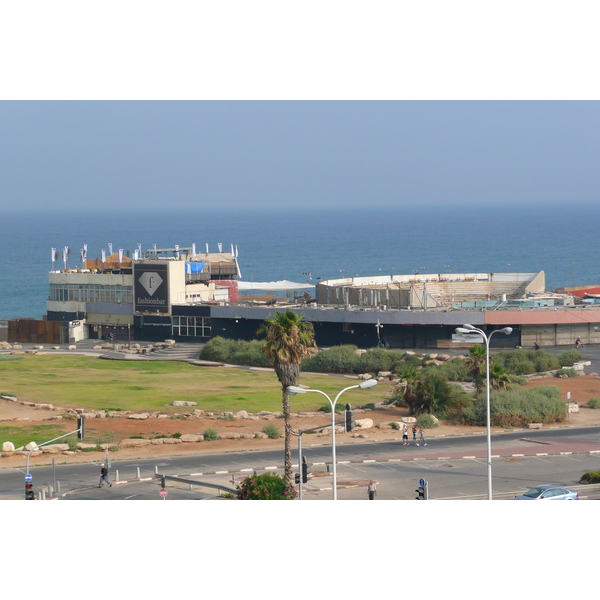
{"x": 476, "y": 363}
{"x": 409, "y": 375}
{"x": 287, "y": 340}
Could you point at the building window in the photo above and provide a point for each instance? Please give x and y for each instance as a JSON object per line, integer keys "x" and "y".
{"x": 191, "y": 326}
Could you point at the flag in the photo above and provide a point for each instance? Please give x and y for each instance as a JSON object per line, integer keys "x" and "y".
{"x": 236, "y": 251}
{"x": 109, "y": 249}
{"x": 136, "y": 254}
{"x": 220, "y": 246}
{"x": 206, "y": 248}
{"x": 140, "y": 249}
{"x": 84, "y": 251}
{"x": 53, "y": 254}
{"x": 188, "y": 268}
{"x": 120, "y": 255}
{"x": 103, "y": 255}
{"x": 177, "y": 250}
{"x": 194, "y": 249}
{"x": 232, "y": 252}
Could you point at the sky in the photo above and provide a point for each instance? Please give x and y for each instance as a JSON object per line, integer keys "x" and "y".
{"x": 86, "y": 155}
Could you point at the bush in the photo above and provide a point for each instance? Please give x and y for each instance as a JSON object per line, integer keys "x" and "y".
{"x": 210, "y": 435}
{"x": 594, "y": 403}
{"x": 519, "y": 408}
{"x": 272, "y": 431}
{"x": 235, "y": 352}
{"x": 427, "y": 422}
{"x": 339, "y": 359}
{"x": 567, "y": 372}
{"x": 268, "y": 486}
{"x": 526, "y": 362}
{"x": 569, "y": 357}
{"x": 591, "y": 477}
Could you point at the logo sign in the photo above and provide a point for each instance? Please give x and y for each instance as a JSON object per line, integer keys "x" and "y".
{"x": 28, "y": 477}
{"x": 151, "y": 287}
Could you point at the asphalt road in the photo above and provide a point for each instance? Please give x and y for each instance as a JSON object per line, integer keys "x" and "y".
{"x": 555, "y": 449}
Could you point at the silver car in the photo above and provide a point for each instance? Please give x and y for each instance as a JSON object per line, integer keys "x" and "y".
{"x": 549, "y": 492}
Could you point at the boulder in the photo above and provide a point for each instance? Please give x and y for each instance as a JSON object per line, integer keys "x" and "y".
{"x": 364, "y": 376}
{"x": 183, "y": 403}
{"x": 138, "y": 416}
{"x": 363, "y": 423}
{"x": 384, "y": 373}
{"x": 443, "y": 357}
{"x": 241, "y": 414}
{"x": 31, "y": 446}
{"x": 157, "y": 441}
{"x": 9, "y": 398}
{"x": 133, "y": 443}
{"x": 171, "y": 441}
{"x": 409, "y": 420}
{"x": 8, "y": 447}
{"x": 229, "y": 435}
{"x": 192, "y": 437}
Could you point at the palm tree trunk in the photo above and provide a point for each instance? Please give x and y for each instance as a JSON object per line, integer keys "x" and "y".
{"x": 287, "y": 441}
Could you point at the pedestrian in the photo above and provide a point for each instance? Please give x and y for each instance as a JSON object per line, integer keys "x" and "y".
{"x": 372, "y": 489}
{"x": 104, "y": 476}
{"x": 405, "y": 435}
{"x": 422, "y": 436}
{"x": 414, "y": 432}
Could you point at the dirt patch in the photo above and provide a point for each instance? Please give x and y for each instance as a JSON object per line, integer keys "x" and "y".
{"x": 582, "y": 389}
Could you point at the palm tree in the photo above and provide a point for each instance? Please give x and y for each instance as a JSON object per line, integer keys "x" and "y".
{"x": 476, "y": 363}
{"x": 433, "y": 394}
{"x": 409, "y": 374}
{"x": 287, "y": 340}
{"x": 499, "y": 377}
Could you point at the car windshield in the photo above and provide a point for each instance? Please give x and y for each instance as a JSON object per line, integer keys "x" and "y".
{"x": 534, "y": 493}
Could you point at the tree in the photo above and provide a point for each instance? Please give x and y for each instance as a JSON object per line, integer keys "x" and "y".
{"x": 287, "y": 340}
{"x": 409, "y": 374}
{"x": 433, "y": 394}
{"x": 476, "y": 360}
{"x": 499, "y": 378}
{"x": 268, "y": 486}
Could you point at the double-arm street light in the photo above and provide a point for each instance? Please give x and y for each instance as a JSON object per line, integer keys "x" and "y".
{"x": 293, "y": 390}
{"x": 471, "y": 329}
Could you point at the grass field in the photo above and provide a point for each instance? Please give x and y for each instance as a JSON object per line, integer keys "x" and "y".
{"x": 87, "y": 382}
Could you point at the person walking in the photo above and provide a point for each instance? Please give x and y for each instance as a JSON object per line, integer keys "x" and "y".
{"x": 422, "y": 437}
{"x": 104, "y": 476}
{"x": 414, "y": 432}
{"x": 405, "y": 435}
{"x": 372, "y": 490}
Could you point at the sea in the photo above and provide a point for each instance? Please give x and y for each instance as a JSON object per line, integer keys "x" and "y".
{"x": 303, "y": 244}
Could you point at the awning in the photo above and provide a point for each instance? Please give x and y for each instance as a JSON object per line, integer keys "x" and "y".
{"x": 272, "y": 286}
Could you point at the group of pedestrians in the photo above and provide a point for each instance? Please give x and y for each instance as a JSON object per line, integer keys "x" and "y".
{"x": 420, "y": 432}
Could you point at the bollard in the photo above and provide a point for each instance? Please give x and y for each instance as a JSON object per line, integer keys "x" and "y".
{"x": 43, "y": 493}
{"x": 138, "y": 472}
{"x": 116, "y": 475}
{"x": 58, "y": 487}
{"x": 156, "y": 470}
{"x": 50, "y": 491}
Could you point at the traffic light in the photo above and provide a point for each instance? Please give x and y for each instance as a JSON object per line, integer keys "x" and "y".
{"x": 29, "y": 491}
{"x": 297, "y": 477}
{"x": 80, "y": 432}
{"x": 348, "y": 419}
{"x": 421, "y": 492}
{"x": 304, "y": 470}
{"x": 163, "y": 482}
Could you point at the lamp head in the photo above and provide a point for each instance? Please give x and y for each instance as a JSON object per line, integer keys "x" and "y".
{"x": 367, "y": 384}
{"x": 292, "y": 390}
{"x": 506, "y": 330}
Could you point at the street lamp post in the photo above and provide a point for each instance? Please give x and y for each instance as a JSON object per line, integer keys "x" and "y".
{"x": 471, "y": 329}
{"x": 293, "y": 390}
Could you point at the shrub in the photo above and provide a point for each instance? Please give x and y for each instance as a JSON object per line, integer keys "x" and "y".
{"x": 177, "y": 435}
{"x": 516, "y": 409}
{"x": 339, "y": 359}
{"x": 591, "y": 477}
{"x": 373, "y": 361}
{"x": 272, "y": 431}
{"x": 235, "y": 352}
{"x": 594, "y": 403}
{"x": 567, "y": 372}
{"x": 569, "y": 357}
{"x": 526, "y": 362}
{"x": 72, "y": 442}
{"x": 210, "y": 434}
{"x": 427, "y": 422}
{"x": 268, "y": 486}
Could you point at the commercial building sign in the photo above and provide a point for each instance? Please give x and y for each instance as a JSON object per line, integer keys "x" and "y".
{"x": 151, "y": 288}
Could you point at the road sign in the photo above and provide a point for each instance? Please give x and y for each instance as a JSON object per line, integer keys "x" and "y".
{"x": 163, "y": 493}
{"x": 421, "y": 482}
{"x": 28, "y": 477}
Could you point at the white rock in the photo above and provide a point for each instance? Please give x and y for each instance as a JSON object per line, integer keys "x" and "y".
{"x": 363, "y": 423}
{"x": 8, "y": 447}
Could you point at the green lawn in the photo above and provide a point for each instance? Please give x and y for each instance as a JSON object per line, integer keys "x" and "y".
{"x": 87, "y": 382}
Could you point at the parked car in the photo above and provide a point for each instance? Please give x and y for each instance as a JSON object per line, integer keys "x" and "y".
{"x": 549, "y": 492}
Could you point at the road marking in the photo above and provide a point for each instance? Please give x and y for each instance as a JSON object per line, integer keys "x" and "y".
{"x": 129, "y": 497}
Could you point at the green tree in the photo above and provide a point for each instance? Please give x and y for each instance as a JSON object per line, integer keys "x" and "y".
{"x": 434, "y": 395}
{"x": 499, "y": 378}
{"x": 476, "y": 363}
{"x": 409, "y": 375}
{"x": 287, "y": 340}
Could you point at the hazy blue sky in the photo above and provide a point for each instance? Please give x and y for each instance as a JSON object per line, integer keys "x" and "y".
{"x": 79, "y": 155}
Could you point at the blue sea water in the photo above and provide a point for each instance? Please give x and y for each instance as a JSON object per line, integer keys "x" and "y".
{"x": 285, "y": 244}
